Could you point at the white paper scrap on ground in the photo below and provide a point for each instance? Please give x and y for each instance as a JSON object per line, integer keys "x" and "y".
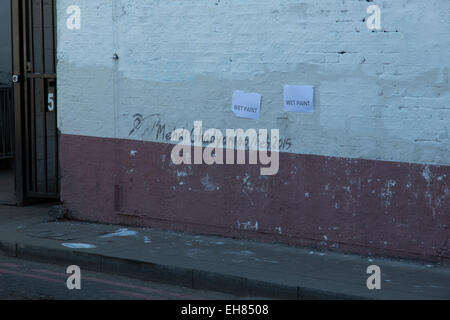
{"x": 79, "y": 245}
{"x": 124, "y": 232}
{"x": 298, "y": 98}
{"x": 246, "y": 105}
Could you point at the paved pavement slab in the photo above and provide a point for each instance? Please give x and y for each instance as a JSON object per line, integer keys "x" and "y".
{"x": 235, "y": 266}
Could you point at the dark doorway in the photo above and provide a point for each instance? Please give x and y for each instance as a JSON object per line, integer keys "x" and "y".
{"x": 7, "y": 187}
{"x": 7, "y": 195}
{"x": 34, "y": 91}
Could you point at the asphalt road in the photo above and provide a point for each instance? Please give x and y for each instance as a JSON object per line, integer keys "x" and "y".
{"x": 25, "y": 280}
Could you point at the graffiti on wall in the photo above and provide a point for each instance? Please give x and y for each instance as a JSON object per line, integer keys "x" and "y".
{"x": 154, "y": 127}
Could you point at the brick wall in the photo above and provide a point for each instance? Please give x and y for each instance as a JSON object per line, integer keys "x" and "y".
{"x": 379, "y": 95}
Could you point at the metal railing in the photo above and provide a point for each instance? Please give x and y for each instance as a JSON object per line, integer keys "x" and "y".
{"x": 6, "y": 123}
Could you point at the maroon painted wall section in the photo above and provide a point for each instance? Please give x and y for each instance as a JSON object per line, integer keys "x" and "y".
{"x": 360, "y": 206}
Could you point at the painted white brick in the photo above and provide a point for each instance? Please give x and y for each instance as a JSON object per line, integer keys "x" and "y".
{"x": 379, "y": 95}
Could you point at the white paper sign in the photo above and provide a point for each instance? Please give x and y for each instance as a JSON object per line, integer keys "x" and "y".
{"x": 298, "y": 98}
{"x": 246, "y": 105}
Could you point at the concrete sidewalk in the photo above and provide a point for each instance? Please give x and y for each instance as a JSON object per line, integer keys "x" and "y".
{"x": 239, "y": 267}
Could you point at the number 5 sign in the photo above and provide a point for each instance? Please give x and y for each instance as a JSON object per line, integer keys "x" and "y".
{"x": 51, "y": 102}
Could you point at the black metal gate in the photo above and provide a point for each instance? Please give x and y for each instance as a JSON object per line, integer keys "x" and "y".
{"x": 6, "y": 124}
{"x": 34, "y": 27}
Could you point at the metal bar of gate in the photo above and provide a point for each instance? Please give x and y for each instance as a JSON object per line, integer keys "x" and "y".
{"x": 26, "y": 84}
{"x": 2, "y": 124}
{"x": 43, "y": 105}
{"x": 32, "y": 93}
{"x": 9, "y": 120}
{"x": 6, "y": 127}
{"x": 55, "y": 97}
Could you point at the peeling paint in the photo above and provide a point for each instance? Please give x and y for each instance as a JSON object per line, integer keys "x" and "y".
{"x": 386, "y": 193}
{"x": 426, "y": 173}
{"x": 209, "y": 184}
{"x": 248, "y": 225}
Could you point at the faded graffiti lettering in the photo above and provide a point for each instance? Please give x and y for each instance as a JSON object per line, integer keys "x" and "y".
{"x": 153, "y": 127}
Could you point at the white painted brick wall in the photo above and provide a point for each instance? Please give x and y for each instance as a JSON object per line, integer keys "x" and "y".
{"x": 387, "y": 97}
